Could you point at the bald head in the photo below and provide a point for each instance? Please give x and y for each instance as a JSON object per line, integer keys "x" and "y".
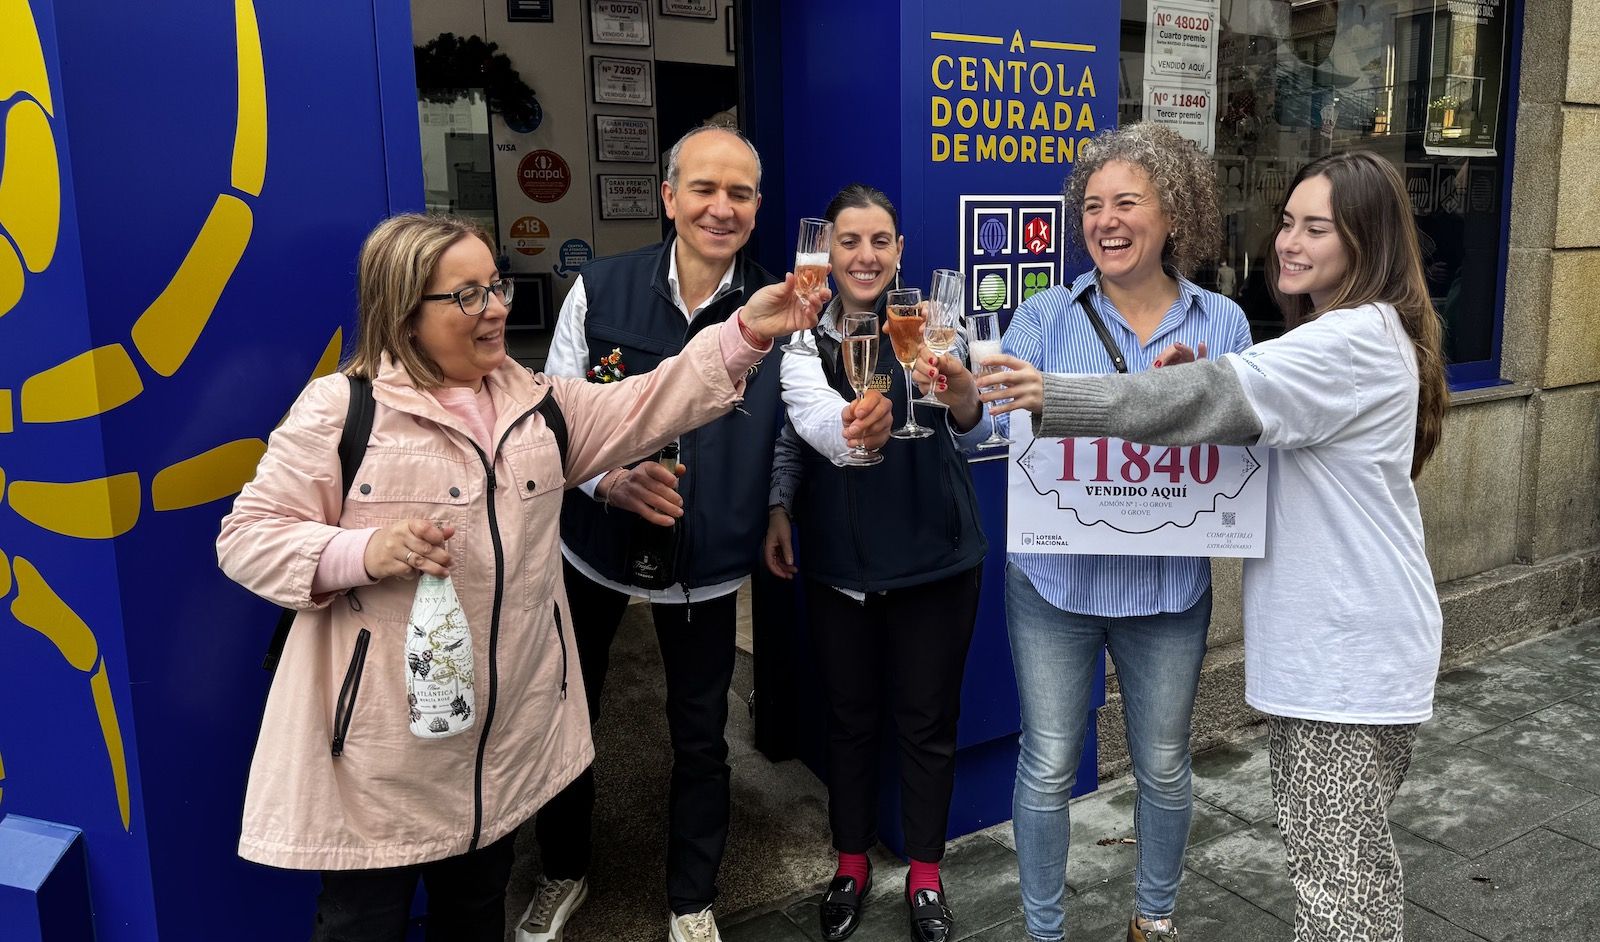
{"x": 674, "y": 156}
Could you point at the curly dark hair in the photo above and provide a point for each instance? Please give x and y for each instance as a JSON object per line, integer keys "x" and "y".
{"x": 1185, "y": 183}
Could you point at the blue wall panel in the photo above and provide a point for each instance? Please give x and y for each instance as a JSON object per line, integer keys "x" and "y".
{"x": 227, "y": 159}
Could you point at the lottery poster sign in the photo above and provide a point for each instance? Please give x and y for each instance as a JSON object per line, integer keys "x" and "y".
{"x": 1011, "y": 249}
{"x": 1106, "y": 496}
{"x": 1180, "y": 84}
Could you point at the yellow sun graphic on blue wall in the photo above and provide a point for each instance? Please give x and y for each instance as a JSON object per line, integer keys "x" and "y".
{"x": 91, "y": 385}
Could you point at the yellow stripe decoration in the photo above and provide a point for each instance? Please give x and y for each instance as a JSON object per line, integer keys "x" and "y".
{"x": 111, "y": 732}
{"x": 30, "y": 185}
{"x": 38, "y": 607}
{"x": 89, "y": 384}
{"x": 21, "y": 55}
{"x": 968, "y": 38}
{"x": 97, "y": 509}
{"x": 250, "y": 135}
{"x": 10, "y": 277}
{"x": 5, "y": 575}
{"x": 1069, "y": 47}
{"x": 5, "y": 414}
{"x": 325, "y": 366}
{"x": 330, "y": 355}
{"x": 207, "y": 476}
{"x": 169, "y": 327}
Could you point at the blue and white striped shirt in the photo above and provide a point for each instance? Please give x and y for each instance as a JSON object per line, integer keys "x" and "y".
{"x": 1051, "y": 331}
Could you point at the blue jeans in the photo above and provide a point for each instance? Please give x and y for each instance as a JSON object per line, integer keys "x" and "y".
{"x": 1157, "y": 658}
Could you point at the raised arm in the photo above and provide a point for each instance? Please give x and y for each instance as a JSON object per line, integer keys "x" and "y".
{"x": 612, "y": 424}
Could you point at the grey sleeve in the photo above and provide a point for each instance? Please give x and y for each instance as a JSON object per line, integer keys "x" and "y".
{"x": 1177, "y": 405}
{"x": 786, "y": 469}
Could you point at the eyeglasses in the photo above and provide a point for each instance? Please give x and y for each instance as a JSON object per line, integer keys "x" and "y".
{"x": 474, "y": 299}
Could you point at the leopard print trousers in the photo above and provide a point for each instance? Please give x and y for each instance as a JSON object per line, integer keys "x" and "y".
{"x": 1332, "y": 784}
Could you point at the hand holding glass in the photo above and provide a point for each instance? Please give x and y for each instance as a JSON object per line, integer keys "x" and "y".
{"x": 906, "y": 318}
{"x": 984, "y": 341}
{"x": 810, "y": 271}
{"x": 943, "y": 311}
{"x": 858, "y": 340}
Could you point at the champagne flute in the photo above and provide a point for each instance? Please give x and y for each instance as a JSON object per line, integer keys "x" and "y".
{"x": 859, "y": 344}
{"x": 985, "y": 342}
{"x": 905, "y": 332}
{"x": 944, "y": 319}
{"x": 810, "y": 272}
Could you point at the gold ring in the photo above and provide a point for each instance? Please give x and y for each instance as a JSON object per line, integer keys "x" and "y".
{"x": 409, "y": 554}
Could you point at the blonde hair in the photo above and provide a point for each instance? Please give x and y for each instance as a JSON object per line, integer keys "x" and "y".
{"x": 1185, "y": 182}
{"x": 1372, "y": 214}
{"x": 397, "y": 260}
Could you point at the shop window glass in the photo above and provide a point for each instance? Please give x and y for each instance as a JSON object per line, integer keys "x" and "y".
{"x": 458, "y": 157}
{"x": 1422, "y": 82}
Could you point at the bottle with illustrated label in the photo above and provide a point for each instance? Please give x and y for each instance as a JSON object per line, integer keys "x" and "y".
{"x": 438, "y": 661}
{"x": 653, "y": 549}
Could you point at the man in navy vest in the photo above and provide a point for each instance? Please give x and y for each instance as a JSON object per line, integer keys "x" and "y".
{"x": 644, "y": 306}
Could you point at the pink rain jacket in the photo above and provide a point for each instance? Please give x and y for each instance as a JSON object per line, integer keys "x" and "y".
{"x": 391, "y": 799}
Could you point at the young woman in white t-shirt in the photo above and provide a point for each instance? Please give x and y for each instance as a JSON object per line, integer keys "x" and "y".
{"x": 1342, "y": 623}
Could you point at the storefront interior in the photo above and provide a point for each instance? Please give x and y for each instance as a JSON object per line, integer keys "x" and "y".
{"x": 561, "y": 156}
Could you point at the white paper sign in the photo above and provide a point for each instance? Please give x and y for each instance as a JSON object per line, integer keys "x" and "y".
{"x": 1107, "y": 496}
{"x": 623, "y": 81}
{"x": 1181, "y": 40}
{"x": 619, "y": 22}
{"x": 1188, "y": 109}
{"x": 628, "y": 140}
{"x": 1180, "y": 55}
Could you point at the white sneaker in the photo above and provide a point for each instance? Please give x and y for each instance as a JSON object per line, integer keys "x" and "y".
{"x": 553, "y": 903}
{"x": 694, "y": 927}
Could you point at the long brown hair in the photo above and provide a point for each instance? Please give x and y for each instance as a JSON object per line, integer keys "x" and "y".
{"x": 397, "y": 260}
{"x": 1373, "y": 217}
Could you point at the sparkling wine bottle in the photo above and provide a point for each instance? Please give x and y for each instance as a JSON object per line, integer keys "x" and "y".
{"x": 438, "y": 661}
{"x": 652, "y": 549}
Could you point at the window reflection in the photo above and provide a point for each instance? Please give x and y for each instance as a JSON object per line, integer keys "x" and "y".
{"x": 1419, "y": 81}
{"x": 458, "y": 157}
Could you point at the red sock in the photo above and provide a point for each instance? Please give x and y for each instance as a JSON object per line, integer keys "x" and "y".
{"x": 852, "y": 865}
{"x": 923, "y": 876}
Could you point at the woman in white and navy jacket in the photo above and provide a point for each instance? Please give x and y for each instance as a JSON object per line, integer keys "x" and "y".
{"x": 893, "y": 557}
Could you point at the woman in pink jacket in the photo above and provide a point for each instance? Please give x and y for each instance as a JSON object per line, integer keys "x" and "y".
{"x": 461, "y": 477}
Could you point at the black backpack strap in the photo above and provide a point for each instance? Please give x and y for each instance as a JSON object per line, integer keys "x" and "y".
{"x": 556, "y": 422}
{"x": 352, "y": 449}
{"x": 357, "y": 430}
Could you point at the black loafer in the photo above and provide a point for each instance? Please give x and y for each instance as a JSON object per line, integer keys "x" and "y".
{"x": 841, "y": 906}
{"x": 931, "y": 920}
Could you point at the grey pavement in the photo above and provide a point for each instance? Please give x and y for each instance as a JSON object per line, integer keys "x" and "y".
{"x": 1498, "y": 827}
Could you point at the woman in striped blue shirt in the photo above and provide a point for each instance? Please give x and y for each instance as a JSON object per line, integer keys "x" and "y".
{"x": 1144, "y": 205}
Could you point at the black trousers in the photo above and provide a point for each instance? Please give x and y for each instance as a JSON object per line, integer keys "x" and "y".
{"x": 697, "y": 653}
{"x": 906, "y": 650}
{"x": 466, "y": 899}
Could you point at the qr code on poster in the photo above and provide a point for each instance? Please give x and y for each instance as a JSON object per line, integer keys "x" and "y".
{"x": 1227, "y": 519}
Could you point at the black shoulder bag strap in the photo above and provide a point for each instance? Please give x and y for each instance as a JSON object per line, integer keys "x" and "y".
{"x": 1112, "y": 350}
{"x": 352, "y": 448}
{"x": 556, "y": 422}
